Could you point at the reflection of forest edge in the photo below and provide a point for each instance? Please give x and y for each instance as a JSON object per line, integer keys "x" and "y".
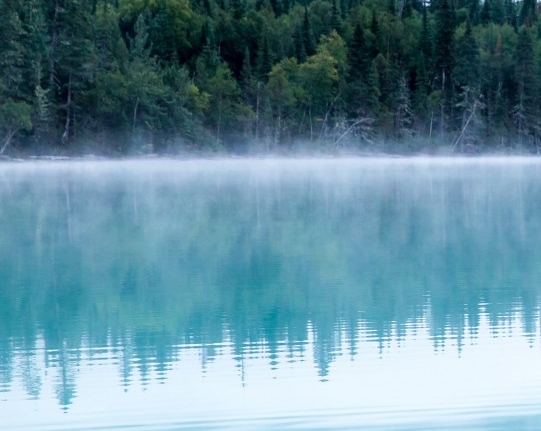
{"x": 269, "y": 259}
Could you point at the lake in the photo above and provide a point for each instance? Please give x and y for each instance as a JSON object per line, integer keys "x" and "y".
{"x": 381, "y": 294}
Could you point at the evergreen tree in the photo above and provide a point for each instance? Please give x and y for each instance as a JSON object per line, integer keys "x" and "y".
{"x": 374, "y": 29}
{"x": 426, "y": 41}
{"x": 145, "y": 90}
{"x": 497, "y": 14}
{"x": 161, "y": 34}
{"x": 361, "y": 92}
{"x": 525, "y": 111}
{"x": 74, "y": 59}
{"x": 421, "y": 87}
{"x": 300, "y": 50}
{"x": 466, "y": 78}
{"x": 307, "y": 35}
{"x": 277, "y": 7}
{"x": 12, "y": 54}
{"x": 510, "y": 13}
{"x": 371, "y": 101}
{"x": 335, "y": 21}
{"x": 246, "y": 75}
{"x": 359, "y": 55}
{"x": 486, "y": 12}
{"x": 528, "y": 13}
{"x": 466, "y": 69}
{"x": 444, "y": 59}
{"x": 474, "y": 11}
{"x": 264, "y": 59}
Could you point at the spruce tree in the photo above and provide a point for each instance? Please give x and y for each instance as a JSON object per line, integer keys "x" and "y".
{"x": 371, "y": 101}
{"x": 74, "y": 64}
{"x": 359, "y": 54}
{"x": 466, "y": 69}
{"x": 298, "y": 40}
{"x": 421, "y": 87}
{"x": 426, "y": 41}
{"x": 264, "y": 59}
{"x": 374, "y": 29}
{"x": 444, "y": 58}
{"x": 162, "y": 35}
{"x": 335, "y": 22}
{"x": 473, "y": 10}
{"x": 510, "y": 13}
{"x": 525, "y": 111}
{"x": 307, "y": 35}
{"x": 247, "y": 82}
{"x": 12, "y": 54}
{"x": 466, "y": 78}
{"x": 497, "y": 14}
{"x": 486, "y": 11}
{"x": 528, "y": 13}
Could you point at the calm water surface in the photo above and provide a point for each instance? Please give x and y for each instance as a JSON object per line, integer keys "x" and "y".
{"x": 398, "y": 294}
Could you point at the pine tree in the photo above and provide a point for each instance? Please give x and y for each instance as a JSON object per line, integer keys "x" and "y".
{"x": 277, "y": 7}
{"x": 528, "y": 13}
{"x": 421, "y": 87}
{"x": 486, "y": 11}
{"x": 426, "y": 41}
{"x": 371, "y": 101}
{"x": 510, "y": 13}
{"x": 12, "y": 53}
{"x": 237, "y": 7}
{"x": 444, "y": 59}
{"x": 359, "y": 55}
{"x": 250, "y": 90}
{"x": 466, "y": 78}
{"x": 466, "y": 69}
{"x": 374, "y": 29}
{"x": 161, "y": 35}
{"x": 473, "y": 10}
{"x": 335, "y": 21}
{"x": 307, "y": 35}
{"x": 72, "y": 63}
{"x": 498, "y": 12}
{"x": 264, "y": 59}
{"x": 144, "y": 83}
{"x": 525, "y": 111}
{"x": 300, "y": 50}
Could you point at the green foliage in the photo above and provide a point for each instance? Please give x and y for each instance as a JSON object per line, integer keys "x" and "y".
{"x": 224, "y": 101}
{"x": 150, "y": 71}
{"x": 466, "y": 70}
{"x": 14, "y": 117}
{"x": 526, "y": 111}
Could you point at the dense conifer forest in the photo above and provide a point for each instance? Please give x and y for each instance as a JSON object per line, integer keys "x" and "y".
{"x": 167, "y": 76}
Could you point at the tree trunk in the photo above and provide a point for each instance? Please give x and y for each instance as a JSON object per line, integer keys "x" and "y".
{"x": 67, "y": 126}
{"x": 7, "y": 140}
{"x": 257, "y": 102}
{"x": 134, "y": 116}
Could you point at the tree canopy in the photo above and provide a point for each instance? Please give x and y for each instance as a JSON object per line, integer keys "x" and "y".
{"x": 139, "y": 76}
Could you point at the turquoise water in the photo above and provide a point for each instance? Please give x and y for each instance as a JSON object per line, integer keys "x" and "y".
{"x": 396, "y": 294}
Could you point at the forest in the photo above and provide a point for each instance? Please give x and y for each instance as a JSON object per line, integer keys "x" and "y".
{"x": 125, "y": 77}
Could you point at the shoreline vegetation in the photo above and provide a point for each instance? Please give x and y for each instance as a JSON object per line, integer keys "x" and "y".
{"x": 119, "y": 78}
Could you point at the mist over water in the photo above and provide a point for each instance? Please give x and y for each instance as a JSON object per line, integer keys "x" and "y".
{"x": 271, "y": 293}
